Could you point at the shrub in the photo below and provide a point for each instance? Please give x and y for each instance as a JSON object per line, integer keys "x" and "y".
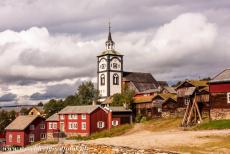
{"x": 138, "y": 118}
{"x": 143, "y": 119}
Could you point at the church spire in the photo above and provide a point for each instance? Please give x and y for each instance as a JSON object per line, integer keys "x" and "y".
{"x": 109, "y": 43}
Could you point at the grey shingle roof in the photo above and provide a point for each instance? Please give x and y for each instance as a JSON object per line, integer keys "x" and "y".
{"x": 224, "y": 76}
{"x": 79, "y": 109}
{"x": 54, "y": 117}
{"x": 110, "y": 52}
{"x": 118, "y": 109}
{"x": 21, "y": 122}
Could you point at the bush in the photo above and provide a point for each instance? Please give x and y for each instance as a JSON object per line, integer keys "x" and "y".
{"x": 138, "y": 118}
{"x": 143, "y": 119}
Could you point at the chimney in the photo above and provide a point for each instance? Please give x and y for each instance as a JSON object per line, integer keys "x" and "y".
{"x": 94, "y": 102}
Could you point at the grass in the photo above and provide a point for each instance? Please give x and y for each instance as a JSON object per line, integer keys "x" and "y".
{"x": 215, "y": 124}
{"x": 49, "y": 142}
{"x": 116, "y": 131}
{"x": 162, "y": 124}
{"x": 217, "y": 144}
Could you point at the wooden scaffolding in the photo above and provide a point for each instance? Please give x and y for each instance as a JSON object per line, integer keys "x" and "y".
{"x": 192, "y": 114}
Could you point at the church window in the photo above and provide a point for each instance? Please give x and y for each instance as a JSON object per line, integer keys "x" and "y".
{"x": 115, "y": 79}
{"x": 102, "y": 79}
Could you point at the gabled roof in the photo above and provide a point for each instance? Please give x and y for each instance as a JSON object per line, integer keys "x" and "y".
{"x": 224, "y": 76}
{"x": 54, "y": 117}
{"x": 108, "y": 100}
{"x": 118, "y": 109}
{"x": 167, "y": 96}
{"x": 79, "y": 109}
{"x": 142, "y": 81}
{"x": 170, "y": 90}
{"x": 143, "y": 99}
{"x": 163, "y": 83}
{"x": 21, "y": 122}
{"x": 195, "y": 83}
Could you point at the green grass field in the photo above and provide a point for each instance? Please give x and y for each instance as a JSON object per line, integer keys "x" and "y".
{"x": 215, "y": 124}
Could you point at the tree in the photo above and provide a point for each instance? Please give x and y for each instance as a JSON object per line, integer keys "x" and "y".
{"x": 5, "y": 119}
{"x": 24, "y": 111}
{"x": 40, "y": 104}
{"x": 125, "y": 98}
{"x": 53, "y": 106}
{"x": 87, "y": 93}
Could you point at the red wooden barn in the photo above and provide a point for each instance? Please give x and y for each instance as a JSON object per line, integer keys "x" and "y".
{"x": 219, "y": 88}
{"x": 25, "y": 130}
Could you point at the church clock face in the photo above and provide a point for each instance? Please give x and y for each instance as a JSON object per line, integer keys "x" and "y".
{"x": 102, "y": 65}
{"x": 115, "y": 64}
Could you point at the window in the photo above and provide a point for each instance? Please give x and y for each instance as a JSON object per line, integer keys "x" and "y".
{"x": 83, "y": 125}
{"x": 18, "y": 138}
{"x": 62, "y": 117}
{"x": 10, "y": 137}
{"x": 228, "y": 97}
{"x": 100, "y": 124}
{"x": 31, "y": 127}
{"x": 42, "y": 126}
{"x": 31, "y": 138}
{"x": 102, "y": 79}
{"x": 72, "y": 125}
{"x": 54, "y": 125}
{"x": 43, "y": 136}
{"x": 159, "y": 109}
{"x": 72, "y": 116}
{"x": 115, "y": 79}
{"x": 83, "y": 116}
{"x": 50, "y": 125}
{"x": 115, "y": 122}
{"x": 187, "y": 101}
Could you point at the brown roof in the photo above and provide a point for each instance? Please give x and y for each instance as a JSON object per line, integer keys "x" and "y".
{"x": 224, "y": 76}
{"x": 108, "y": 100}
{"x": 54, "y": 117}
{"x": 195, "y": 83}
{"x": 142, "y": 81}
{"x": 143, "y": 99}
{"x": 170, "y": 90}
{"x": 118, "y": 109}
{"x": 21, "y": 122}
{"x": 79, "y": 109}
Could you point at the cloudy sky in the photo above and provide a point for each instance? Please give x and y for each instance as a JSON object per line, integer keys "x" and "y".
{"x": 47, "y": 48}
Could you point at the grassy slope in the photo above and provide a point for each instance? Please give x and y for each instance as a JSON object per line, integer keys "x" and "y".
{"x": 215, "y": 124}
{"x": 116, "y": 131}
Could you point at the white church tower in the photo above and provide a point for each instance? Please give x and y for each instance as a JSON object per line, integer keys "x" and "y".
{"x": 109, "y": 70}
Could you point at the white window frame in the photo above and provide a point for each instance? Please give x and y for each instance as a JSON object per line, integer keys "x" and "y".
{"x": 228, "y": 97}
{"x": 83, "y": 116}
{"x": 18, "y": 138}
{"x": 43, "y": 136}
{"x": 187, "y": 101}
{"x": 62, "y": 117}
{"x": 32, "y": 127}
{"x": 73, "y": 125}
{"x": 42, "y": 126}
{"x": 50, "y": 125}
{"x": 54, "y": 125}
{"x": 83, "y": 124}
{"x": 115, "y": 123}
{"x": 10, "y": 137}
{"x": 31, "y": 138}
{"x": 100, "y": 124}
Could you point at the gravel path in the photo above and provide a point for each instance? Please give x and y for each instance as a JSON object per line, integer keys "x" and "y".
{"x": 146, "y": 139}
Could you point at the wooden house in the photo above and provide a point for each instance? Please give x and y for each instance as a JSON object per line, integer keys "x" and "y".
{"x": 143, "y": 106}
{"x": 219, "y": 88}
{"x": 187, "y": 90}
{"x": 25, "y": 130}
{"x": 36, "y": 110}
{"x": 53, "y": 125}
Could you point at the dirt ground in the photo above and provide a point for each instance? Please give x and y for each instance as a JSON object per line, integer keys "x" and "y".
{"x": 174, "y": 140}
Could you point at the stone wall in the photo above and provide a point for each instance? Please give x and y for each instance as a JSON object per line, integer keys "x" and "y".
{"x": 217, "y": 114}
{"x": 97, "y": 149}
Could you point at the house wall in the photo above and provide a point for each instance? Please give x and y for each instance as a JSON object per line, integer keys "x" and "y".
{"x": 14, "y": 138}
{"x": 96, "y": 116}
{"x": 219, "y": 87}
{"x": 51, "y": 132}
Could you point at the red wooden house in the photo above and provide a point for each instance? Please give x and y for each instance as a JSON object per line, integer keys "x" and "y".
{"x": 25, "y": 130}
{"x": 219, "y": 88}
{"x": 52, "y": 125}
{"x": 82, "y": 120}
